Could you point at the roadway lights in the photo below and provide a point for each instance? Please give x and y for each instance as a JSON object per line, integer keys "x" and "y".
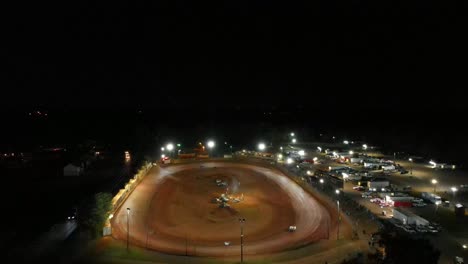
{"x": 162, "y": 156}
{"x": 410, "y": 159}
{"x": 319, "y": 149}
{"x": 337, "y": 191}
{"x": 351, "y": 152}
{"x": 292, "y": 134}
{"x": 170, "y": 147}
{"x": 321, "y": 181}
{"x": 301, "y": 152}
{"x": 293, "y": 140}
{"x": 454, "y": 189}
{"x": 464, "y": 246}
{"x": 162, "y": 149}
{"x": 261, "y": 146}
{"x": 289, "y": 161}
{"x": 364, "y": 146}
{"x": 346, "y": 142}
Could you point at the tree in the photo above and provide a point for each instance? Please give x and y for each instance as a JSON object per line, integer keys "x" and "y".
{"x": 100, "y": 212}
{"x": 402, "y": 249}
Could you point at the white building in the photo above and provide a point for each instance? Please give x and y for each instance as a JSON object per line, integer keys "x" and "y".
{"x": 72, "y": 170}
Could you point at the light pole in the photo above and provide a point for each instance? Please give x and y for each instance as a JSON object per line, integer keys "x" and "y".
{"x": 242, "y": 221}
{"x": 170, "y": 147}
{"x": 128, "y": 226}
{"x": 454, "y": 190}
{"x": 339, "y": 220}
{"x": 434, "y": 181}
{"x": 211, "y": 145}
{"x": 411, "y": 166}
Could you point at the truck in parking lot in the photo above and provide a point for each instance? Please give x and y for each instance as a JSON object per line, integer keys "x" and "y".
{"x": 433, "y": 198}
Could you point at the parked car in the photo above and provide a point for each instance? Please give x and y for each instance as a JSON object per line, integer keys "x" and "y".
{"x": 359, "y": 188}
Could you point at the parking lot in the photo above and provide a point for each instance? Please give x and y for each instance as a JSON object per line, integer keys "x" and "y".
{"x": 408, "y": 178}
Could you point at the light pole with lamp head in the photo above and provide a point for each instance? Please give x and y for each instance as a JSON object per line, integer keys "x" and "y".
{"x": 454, "y": 190}
{"x": 339, "y": 217}
{"x": 434, "y": 181}
{"x": 211, "y": 145}
{"x": 170, "y": 147}
{"x": 128, "y": 226}
{"x": 411, "y": 166}
{"x": 242, "y": 221}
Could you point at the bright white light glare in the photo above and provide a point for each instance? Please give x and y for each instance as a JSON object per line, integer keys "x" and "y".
{"x": 315, "y": 159}
{"x": 301, "y": 152}
{"x": 334, "y": 153}
{"x": 110, "y": 216}
{"x": 453, "y": 166}
{"x": 170, "y": 146}
{"x": 280, "y": 156}
{"x": 211, "y": 144}
{"x": 162, "y": 149}
{"x": 364, "y": 146}
{"x": 345, "y": 175}
{"x": 410, "y": 159}
{"x": 162, "y": 156}
{"x": 293, "y": 140}
{"x": 465, "y": 246}
{"x": 321, "y": 180}
{"x": 346, "y": 142}
{"x": 281, "y": 148}
{"x": 454, "y": 189}
{"x": 432, "y": 163}
{"x": 243, "y": 150}
{"x": 319, "y": 148}
{"x": 292, "y": 134}
{"x": 434, "y": 181}
{"x": 351, "y": 152}
{"x": 261, "y": 146}
{"x": 337, "y": 191}
{"x": 289, "y": 161}
{"x": 308, "y": 172}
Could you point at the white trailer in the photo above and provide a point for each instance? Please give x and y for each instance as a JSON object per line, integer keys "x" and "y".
{"x": 408, "y": 218}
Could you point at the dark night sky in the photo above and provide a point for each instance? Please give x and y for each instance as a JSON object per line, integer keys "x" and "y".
{"x": 171, "y": 54}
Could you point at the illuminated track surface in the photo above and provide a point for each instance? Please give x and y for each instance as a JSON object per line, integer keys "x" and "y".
{"x": 172, "y": 211}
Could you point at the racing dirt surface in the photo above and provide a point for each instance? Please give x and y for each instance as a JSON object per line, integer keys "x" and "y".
{"x": 174, "y": 210}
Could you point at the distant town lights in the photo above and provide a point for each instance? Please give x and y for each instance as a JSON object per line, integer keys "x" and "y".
{"x": 292, "y": 134}
{"x": 351, "y": 152}
{"x": 364, "y": 146}
{"x": 293, "y": 140}
{"x": 301, "y": 152}
{"x": 454, "y": 189}
{"x": 162, "y": 149}
{"x": 346, "y": 142}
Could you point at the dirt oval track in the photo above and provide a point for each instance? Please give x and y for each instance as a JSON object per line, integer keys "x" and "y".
{"x": 172, "y": 211}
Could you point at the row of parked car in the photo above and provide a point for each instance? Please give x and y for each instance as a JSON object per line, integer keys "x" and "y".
{"x": 418, "y": 228}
